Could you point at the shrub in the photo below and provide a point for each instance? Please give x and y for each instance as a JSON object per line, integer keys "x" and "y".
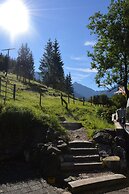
{"x": 21, "y": 127}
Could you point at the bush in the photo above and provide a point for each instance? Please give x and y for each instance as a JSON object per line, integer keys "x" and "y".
{"x": 106, "y": 113}
{"x": 20, "y": 127}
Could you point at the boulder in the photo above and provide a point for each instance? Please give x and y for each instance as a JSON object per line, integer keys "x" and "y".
{"x": 103, "y": 138}
{"x": 119, "y": 151}
{"x": 104, "y": 150}
{"x": 112, "y": 162}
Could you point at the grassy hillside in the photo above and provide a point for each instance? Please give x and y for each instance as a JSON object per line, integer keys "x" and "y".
{"x": 28, "y": 98}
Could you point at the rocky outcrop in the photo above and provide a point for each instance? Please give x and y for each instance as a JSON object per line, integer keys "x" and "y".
{"x": 112, "y": 143}
{"x": 47, "y": 157}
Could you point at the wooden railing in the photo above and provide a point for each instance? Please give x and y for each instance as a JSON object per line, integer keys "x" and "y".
{"x": 7, "y": 89}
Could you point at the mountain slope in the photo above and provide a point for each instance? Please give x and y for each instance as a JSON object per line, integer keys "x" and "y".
{"x": 84, "y": 91}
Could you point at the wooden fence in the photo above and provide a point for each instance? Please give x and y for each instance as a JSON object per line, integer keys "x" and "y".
{"x": 65, "y": 99}
{"x": 7, "y": 89}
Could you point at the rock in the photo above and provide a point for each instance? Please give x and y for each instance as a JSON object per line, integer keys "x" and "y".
{"x": 63, "y": 147}
{"x": 70, "y": 178}
{"x": 60, "y": 142}
{"x": 103, "y": 137}
{"x": 120, "y": 142}
{"x": 112, "y": 162}
{"x": 51, "y": 149}
{"x": 119, "y": 151}
{"x": 104, "y": 150}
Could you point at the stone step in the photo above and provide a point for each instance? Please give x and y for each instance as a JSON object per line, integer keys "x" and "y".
{"x": 84, "y": 151}
{"x": 91, "y": 185}
{"x": 71, "y": 125}
{"x": 81, "y": 167}
{"x": 81, "y": 144}
{"x": 83, "y": 159}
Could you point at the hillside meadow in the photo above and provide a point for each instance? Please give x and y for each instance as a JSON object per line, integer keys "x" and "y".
{"x": 48, "y": 109}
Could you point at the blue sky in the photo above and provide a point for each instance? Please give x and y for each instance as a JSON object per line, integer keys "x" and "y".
{"x": 65, "y": 20}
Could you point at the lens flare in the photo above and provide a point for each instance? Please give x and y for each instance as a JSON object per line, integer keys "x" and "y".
{"x": 14, "y": 17}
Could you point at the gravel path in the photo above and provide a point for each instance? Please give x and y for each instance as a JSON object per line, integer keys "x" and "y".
{"x": 18, "y": 178}
{"x": 38, "y": 186}
{"x": 79, "y": 134}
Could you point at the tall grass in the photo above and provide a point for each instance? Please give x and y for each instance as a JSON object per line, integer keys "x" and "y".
{"x": 27, "y": 100}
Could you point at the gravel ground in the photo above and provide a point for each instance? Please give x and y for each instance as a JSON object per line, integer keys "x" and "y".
{"x": 18, "y": 178}
{"x": 79, "y": 134}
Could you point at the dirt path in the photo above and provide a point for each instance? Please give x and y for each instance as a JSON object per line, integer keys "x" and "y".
{"x": 79, "y": 134}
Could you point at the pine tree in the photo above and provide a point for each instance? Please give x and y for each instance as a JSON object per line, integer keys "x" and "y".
{"x": 30, "y": 66}
{"x": 45, "y": 63}
{"x": 2, "y": 67}
{"x": 57, "y": 68}
{"x": 51, "y": 66}
{"x": 25, "y": 63}
{"x": 68, "y": 84}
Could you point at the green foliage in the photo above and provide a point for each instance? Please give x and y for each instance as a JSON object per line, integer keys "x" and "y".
{"x": 46, "y": 115}
{"x": 111, "y": 51}
{"x": 25, "y": 62}
{"x": 90, "y": 118}
{"x": 100, "y": 99}
{"x": 3, "y": 63}
{"x": 119, "y": 101}
{"x": 106, "y": 113}
{"x": 22, "y": 127}
{"x": 51, "y": 66}
{"x": 68, "y": 84}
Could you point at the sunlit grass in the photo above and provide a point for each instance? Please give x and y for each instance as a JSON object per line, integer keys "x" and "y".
{"x": 28, "y": 97}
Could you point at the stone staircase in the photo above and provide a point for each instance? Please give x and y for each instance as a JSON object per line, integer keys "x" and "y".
{"x": 83, "y": 156}
{"x": 83, "y": 159}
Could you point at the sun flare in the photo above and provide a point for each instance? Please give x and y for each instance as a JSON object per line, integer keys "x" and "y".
{"x": 14, "y": 17}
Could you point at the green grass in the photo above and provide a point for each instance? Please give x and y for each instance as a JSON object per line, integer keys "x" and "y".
{"x": 27, "y": 98}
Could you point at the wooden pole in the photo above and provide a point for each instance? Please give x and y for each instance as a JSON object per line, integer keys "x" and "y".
{"x": 14, "y": 92}
{"x": 68, "y": 99}
{"x": 73, "y": 100}
{"x": 0, "y": 85}
{"x": 40, "y": 101}
{"x": 61, "y": 97}
{"x": 83, "y": 101}
{"x": 5, "y": 92}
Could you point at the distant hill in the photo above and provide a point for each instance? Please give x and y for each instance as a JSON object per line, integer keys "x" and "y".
{"x": 37, "y": 76}
{"x": 84, "y": 91}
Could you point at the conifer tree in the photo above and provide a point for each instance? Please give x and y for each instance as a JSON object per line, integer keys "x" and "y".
{"x": 51, "y": 66}
{"x": 57, "y": 68}
{"x": 68, "y": 84}
{"x": 46, "y": 63}
{"x": 25, "y": 63}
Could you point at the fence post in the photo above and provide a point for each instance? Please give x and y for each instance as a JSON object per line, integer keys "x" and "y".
{"x": 83, "y": 101}
{"x": 40, "y": 101}
{"x": 0, "y": 85}
{"x": 5, "y": 97}
{"x": 61, "y": 96}
{"x": 68, "y": 99}
{"x": 73, "y": 99}
{"x": 14, "y": 92}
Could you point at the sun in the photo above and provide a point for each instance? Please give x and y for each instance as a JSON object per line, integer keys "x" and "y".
{"x": 14, "y": 17}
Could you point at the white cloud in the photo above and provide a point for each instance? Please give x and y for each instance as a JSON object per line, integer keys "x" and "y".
{"x": 84, "y": 70}
{"x": 80, "y": 58}
{"x": 79, "y": 77}
{"x": 89, "y": 43}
